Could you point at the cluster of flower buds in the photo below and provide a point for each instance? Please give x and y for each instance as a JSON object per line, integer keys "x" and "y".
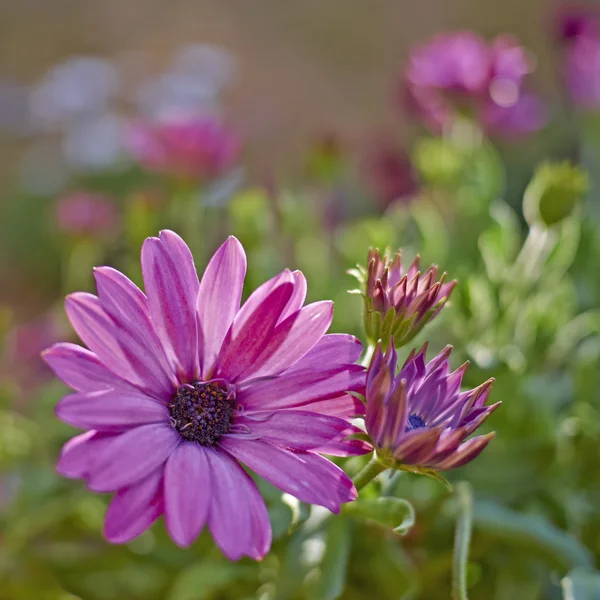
{"x": 399, "y": 302}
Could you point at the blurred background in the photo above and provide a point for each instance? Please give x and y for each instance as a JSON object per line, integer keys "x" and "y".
{"x": 464, "y": 131}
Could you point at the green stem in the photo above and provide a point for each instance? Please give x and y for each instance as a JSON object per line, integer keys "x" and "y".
{"x": 369, "y": 472}
{"x": 462, "y": 540}
{"x": 368, "y": 355}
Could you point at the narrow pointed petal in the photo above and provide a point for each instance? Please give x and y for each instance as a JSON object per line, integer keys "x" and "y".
{"x": 298, "y": 297}
{"x": 238, "y": 517}
{"x": 309, "y": 477}
{"x": 79, "y": 368}
{"x": 246, "y": 341}
{"x": 301, "y": 388}
{"x": 335, "y": 349}
{"x": 134, "y": 509}
{"x": 131, "y": 456}
{"x": 77, "y": 455}
{"x": 128, "y": 348}
{"x": 110, "y": 410}
{"x": 466, "y": 452}
{"x": 417, "y": 446}
{"x": 307, "y": 431}
{"x": 172, "y": 287}
{"x": 292, "y": 339}
{"x": 219, "y": 298}
{"x": 187, "y": 493}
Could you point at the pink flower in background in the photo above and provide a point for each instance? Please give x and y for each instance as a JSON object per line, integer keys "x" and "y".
{"x": 181, "y": 383}
{"x": 193, "y": 149}
{"x": 86, "y": 213}
{"x": 389, "y": 174}
{"x": 22, "y": 346}
{"x": 459, "y": 74}
{"x": 579, "y": 29}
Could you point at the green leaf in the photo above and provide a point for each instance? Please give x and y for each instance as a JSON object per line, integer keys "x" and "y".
{"x": 394, "y": 513}
{"x": 581, "y": 584}
{"x": 328, "y": 581}
{"x": 531, "y": 530}
{"x": 199, "y": 581}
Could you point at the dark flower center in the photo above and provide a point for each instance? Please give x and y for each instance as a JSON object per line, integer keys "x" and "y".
{"x": 415, "y": 422}
{"x": 202, "y": 411}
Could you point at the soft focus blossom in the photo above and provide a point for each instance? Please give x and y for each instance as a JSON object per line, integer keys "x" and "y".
{"x": 194, "y": 149}
{"x": 400, "y": 302}
{"x": 574, "y": 22}
{"x": 419, "y": 418}
{"x": 582, "y": 72}
{"x": 181, "y": 383}
{"x": 86, "y": 213}
{"x": 459, "y": 74}
{"x": 389, "y": 174}
{"x": 21, "y": 354}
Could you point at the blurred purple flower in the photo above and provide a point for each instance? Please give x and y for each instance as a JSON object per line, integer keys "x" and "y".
{"x": 86, "y": 213}
{"x": 419, "y": 418}
{"x": 194, "y": 149}
{"x": 181, "y": 383}
{"x": 459, "y": 74}
{"x": 574, "y": 22}
{"x": 579, "y": 29}
{"x": 389, "y": 174}
{"x": 23, "y": 344}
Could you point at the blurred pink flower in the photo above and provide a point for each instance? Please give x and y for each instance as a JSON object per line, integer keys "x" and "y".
{"x": 576, "y": 21}
{"x": 578, "y": 27}
{"x": 21, "y": 360}
{"x": 86, "y": 213}
{"x": 194, "y": 149}
{"x": 389, "y": 174}
{"x": 460, "y": 74}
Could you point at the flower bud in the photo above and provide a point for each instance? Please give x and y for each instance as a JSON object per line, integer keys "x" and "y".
{"x": 554, "y": 192}
{"x": 399, "y": 303}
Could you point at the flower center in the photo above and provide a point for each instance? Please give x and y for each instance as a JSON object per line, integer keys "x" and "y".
{"x": 202, "y": 411}
{"x": 415, "y": 421}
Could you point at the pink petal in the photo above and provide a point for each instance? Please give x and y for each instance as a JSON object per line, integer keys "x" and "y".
{"x": 79, "y": 368}
{"x": 335, "y": 349}
{"x": 127, "y": 347}
{"x": 345, "y": 406}
{"x": 131, "y": 456}
{"x": 309, "y": 477}
{"x": 238, "y": 517}
{"x": 304, "y": 430}
{"x": 188, "y": 490}
{"x": 134, "y": 509}
{"x": 78, "y": 454}
{"x": 172, "y": 287}
{"x": 298, "y": 297}
{"x": 251, "y": 334}
{"x": 110, "y": 410}
{"x": 119, "y": 296}
{"x": 219, "y": 298}
{"x": 292, "y": 339}
{"x": 300, "y": 388}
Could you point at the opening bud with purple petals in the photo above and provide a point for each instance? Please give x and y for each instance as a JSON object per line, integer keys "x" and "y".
{"x": 418, "y": 420}
{"x": 399, "y": 302}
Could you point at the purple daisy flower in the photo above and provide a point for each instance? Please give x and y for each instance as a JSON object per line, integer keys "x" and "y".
{"x": 181, "y": 383}
{"x": 419, "y": 418}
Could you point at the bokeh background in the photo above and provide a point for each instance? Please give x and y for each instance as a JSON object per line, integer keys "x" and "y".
{"x": 332, "y": 158}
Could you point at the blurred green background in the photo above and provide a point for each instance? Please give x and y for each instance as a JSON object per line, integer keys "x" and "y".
{"x": 332, "y": 162}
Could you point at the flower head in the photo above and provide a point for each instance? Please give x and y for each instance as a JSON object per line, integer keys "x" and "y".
{"x": 459, "y": 74}
{"x": 400, "y": 302}
{"x": 193, "y": 149}
{"x": 419, "y": 418}
{"x": 181, "y": 383}
{"x": 86, "y": 213}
